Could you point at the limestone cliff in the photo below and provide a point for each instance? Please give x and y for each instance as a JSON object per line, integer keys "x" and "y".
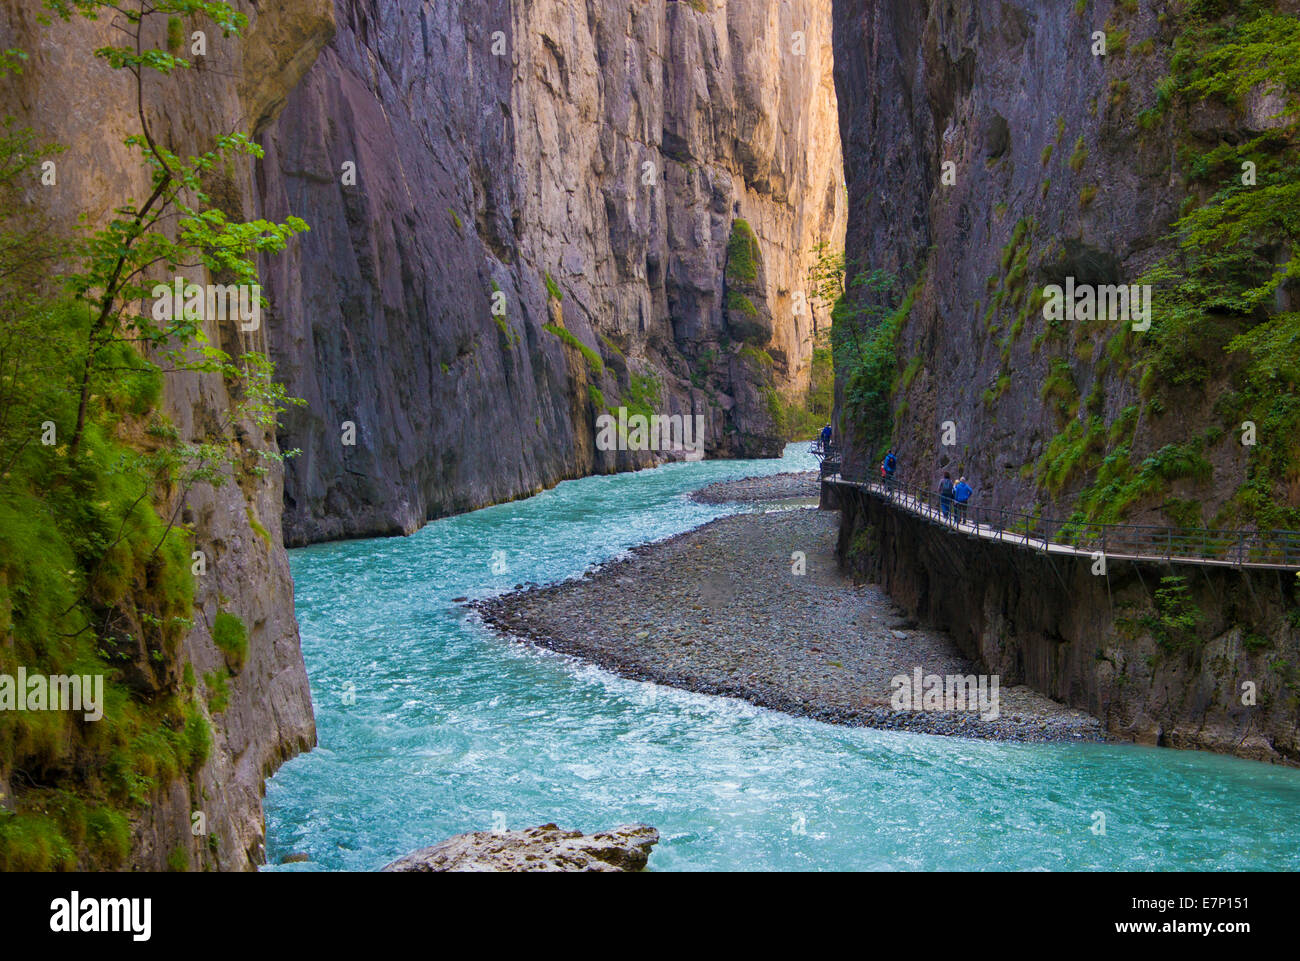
{"x": 69, "y": 97}
{"x": 1057, "y": 170}
{"x": 582, "y": 167}
{"x": 992, "y": 149}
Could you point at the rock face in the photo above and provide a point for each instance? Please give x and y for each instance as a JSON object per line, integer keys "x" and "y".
{"x": 1053, "y": 178}
{"x": 580, "y": 169}
{"x": 69, "y": 97}
{"x": 545, "y": 848}
{"x": 1049, "y": 175}
{"x": 1089, "y": 641}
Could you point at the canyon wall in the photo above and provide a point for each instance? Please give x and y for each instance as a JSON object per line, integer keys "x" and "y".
{"x": 1094, "y": 641}
{"x": 992, "y": 149}
{"x": 69, "y": 97}
{"x": 580, "y": 167}
{"x": 1052, "y": 177}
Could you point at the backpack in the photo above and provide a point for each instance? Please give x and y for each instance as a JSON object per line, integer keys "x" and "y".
{"x": 890, "y": 462}
{"x": 945, "y": 487}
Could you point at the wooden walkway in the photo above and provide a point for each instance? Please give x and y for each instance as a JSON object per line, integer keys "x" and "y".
{"x": 1264, "y": 550}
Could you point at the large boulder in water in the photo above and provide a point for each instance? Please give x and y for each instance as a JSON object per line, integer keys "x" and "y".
{"x": 545, "y": 848}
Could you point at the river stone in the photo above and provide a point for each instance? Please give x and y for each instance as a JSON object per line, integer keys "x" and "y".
{"x": 544, "y": 848}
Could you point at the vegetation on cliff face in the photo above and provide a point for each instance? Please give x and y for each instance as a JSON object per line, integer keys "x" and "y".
{"x": 96, "y": 574}
{"x": 864, "y": 338}
{"x": 1223, "y": 317}
{"x": 742, "y": 254}
{"x": 802, "y": 417}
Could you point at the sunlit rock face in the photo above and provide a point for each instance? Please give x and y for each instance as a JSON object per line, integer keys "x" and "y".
{"x": 579, "y": 167}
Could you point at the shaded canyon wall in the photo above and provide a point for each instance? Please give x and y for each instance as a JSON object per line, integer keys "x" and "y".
{"x": 1052, "y": 176}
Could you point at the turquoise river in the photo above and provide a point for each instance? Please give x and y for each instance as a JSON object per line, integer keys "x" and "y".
{"x": 431, "y": 725}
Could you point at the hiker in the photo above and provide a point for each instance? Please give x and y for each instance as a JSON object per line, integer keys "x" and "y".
{"x": 887, "y": 468}
{"x": 945, "y": 496}
{"x": 826, "y": 436}
{"x": 961, "y": 494}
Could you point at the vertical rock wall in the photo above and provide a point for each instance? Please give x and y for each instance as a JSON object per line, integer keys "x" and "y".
{"x": 585, "y": 161}
{"x": 69, "y": 97}
{"x": 1052, "y": 177}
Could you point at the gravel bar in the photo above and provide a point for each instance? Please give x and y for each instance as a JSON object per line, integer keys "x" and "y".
{"x": 719, "y": 610}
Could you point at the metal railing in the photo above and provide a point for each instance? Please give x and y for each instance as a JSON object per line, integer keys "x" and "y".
{"x": 1243, "y": 548}
{"x": 828, "y": 454}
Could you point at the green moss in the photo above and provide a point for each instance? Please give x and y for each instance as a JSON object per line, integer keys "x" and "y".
{"x": 108, "y": 836}
{"x": 1080, "y": 155}
{"x": 594, "y": 362}
{"x": 739, "y": 303}
{"x": 175, "y": 34}
{"x": 910, "y": 371}
{"x": 1059, "y": 391}
{"x": 231, "y": 637}
{"x": 178, "y": 860}
{"x": 992, "y": 394}
{"x": 743, "y": 254}
{"x": 597, "y": 398}
{"x": 1047, "y": 154}
{"x": 643, "y": 394}
{"x": 1254, "y": 643}
{"x": 257, "y": 527}
{"x": 553, "y": 289}
{"x": 455, "y": 218}
{"x": 218, "y": 690}
{"x": 507, "y": 336}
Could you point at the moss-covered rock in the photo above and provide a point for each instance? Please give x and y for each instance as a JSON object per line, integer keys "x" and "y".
{"x": 749, "y": 317}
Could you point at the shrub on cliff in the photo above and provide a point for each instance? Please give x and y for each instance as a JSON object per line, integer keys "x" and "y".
{"x": 864, "y": 336}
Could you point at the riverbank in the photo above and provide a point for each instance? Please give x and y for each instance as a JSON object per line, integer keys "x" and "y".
{"x": 722, "y": 610}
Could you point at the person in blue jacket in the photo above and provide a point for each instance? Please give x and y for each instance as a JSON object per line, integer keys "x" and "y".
{"x": 887, "y": 468}
{"x": 826, "y": 436}
{"x": 945, "y": 496}
{"x": 961, "y": 494}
